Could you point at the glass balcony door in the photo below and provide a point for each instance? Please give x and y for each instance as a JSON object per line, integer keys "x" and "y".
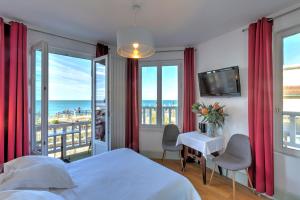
{"x": 100, "y": 108}
{"x": 39, "y": 94}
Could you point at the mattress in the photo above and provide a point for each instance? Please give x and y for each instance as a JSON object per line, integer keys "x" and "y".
{"x": 125, "y": 175}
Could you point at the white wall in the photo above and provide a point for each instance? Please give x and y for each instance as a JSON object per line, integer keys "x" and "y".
{"x": 230, "y": 49}
{"x": 225, "y": 51}
{"x": 117, "y": 98}
{"x": 287, "y": 177}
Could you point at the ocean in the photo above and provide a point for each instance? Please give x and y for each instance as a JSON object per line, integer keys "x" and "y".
{"x": 56, "y": 106}
{"x": 150, "y": 103}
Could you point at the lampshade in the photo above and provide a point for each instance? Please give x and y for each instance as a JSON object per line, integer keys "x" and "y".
{"x": 135, "y": 42}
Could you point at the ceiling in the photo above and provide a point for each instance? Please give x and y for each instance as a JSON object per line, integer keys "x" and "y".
{"x": 173, "y": 22}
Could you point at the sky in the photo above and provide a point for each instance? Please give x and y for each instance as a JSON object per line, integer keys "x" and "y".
{"x": 291, "y": 52}
{"x": 69, "y": 77}
{"x": 291, "y": 49}
{"x": 149, "y": 83}
{"x": 169, "y": 83}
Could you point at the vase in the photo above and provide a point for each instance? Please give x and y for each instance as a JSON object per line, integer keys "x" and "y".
{"x": 211, "y": 129}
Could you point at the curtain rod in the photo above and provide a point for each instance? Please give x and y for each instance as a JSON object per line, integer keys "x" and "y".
{"x": 56, "y": 35}
{"x": 64, "y": 37}
{"x": 178, "y": 50}
{"x": 277, "y": 16}
{"x": 246, "y": 29}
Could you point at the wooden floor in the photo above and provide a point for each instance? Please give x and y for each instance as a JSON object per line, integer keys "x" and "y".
{"x": 220, "y": 187}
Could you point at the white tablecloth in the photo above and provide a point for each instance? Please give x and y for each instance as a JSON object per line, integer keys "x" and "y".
{"x": 200, "y": 142}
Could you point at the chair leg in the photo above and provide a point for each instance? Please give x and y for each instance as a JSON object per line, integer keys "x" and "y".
{"x": 163, "y": 156}
{"x": 212, "y": 174}
{"x": 233, "y": 184}
{"x": 250, "y": 180}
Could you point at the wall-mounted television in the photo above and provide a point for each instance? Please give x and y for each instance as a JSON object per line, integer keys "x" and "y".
{"x": 220, "y": 82}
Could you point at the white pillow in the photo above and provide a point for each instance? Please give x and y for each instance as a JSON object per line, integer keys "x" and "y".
{"x": 28, "y": 161}
{"x": 28, "y": 194}
{"x": 33, "y": 174}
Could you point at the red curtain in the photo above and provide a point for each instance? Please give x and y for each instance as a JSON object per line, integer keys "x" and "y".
{"x": 101, "y": 50}
{"x": 132, "y": 105}
{"x": 189, "y": 119}
{"x": 260, "y": 105}
{"x": 14, "y": 130}
{"x": 2, "y": 93}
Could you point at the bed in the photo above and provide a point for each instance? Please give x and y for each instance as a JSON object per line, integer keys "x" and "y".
{"x": 125, "y": 175}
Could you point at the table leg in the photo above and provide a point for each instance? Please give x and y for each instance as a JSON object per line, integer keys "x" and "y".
{"x": 220, "y": 170}
{"x": 183, "y": 157}
{"x": 203, "y": 166}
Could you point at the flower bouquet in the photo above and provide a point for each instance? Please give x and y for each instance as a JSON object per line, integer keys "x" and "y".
{"x": 212, "y": 114}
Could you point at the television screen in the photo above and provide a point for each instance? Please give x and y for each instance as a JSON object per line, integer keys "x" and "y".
{"x": 221, "y": 82}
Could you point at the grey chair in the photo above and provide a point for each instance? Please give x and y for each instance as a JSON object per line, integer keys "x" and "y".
{"x": 237, "y": 156}
{"x": 170, "y": 135}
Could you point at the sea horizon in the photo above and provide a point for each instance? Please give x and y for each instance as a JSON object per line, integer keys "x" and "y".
{"x": 59, "y": 106}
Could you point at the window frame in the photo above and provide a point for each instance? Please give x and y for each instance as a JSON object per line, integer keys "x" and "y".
{"x": 159, "y": 64}
{"x": 278, "y": 91}
{"x": 70, "y": 53}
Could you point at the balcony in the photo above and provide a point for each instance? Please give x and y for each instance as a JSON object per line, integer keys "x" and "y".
{"x": 70, "y": 138}
{"x": 291, "y": 130}
{"x": 169, "y": 115}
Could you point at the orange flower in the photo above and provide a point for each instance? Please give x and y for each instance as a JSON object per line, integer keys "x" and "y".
{"x": 204, "y": 111}
{"x": 216, "y": 106}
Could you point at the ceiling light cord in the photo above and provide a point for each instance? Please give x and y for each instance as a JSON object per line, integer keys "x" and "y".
{"x": 136, "y": 8}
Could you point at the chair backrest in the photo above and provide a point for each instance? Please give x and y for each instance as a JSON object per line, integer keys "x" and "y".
{"x": 171, "y": 133}
{"x": 239, "y": 146}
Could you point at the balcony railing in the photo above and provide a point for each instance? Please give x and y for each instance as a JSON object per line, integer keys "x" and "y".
{"x": 291, "y": 130}
{"x": 169, "y": 115}
{"x": 70, "y": 136}
{"x": 74, "y": 113}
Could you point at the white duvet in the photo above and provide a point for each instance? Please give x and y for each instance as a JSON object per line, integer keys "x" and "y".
{"x": 125, "y": 175}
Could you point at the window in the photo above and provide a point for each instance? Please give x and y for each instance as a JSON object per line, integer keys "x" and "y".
{"x": 61, "y": 102}
{"x": 169, "y": 94}
{"x": 160, "y": 93}
{"x": 289, "y": 97}
{"x": 149, "y": 95}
